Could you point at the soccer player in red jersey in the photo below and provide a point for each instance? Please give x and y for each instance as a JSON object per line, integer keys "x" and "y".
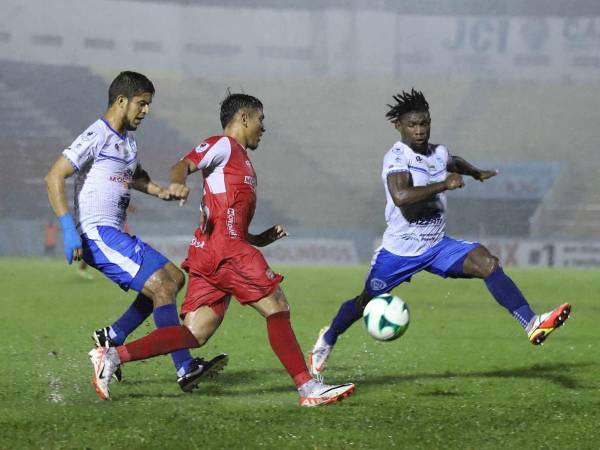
{"x": 222, "y": 259}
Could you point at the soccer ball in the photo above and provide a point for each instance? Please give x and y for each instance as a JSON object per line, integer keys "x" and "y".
{"x": 386, "y": 317}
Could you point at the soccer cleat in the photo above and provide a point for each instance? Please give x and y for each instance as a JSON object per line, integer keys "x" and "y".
{"x": 106, "y": 362}
{"x": 317, "y": 357}
{"x": 101, "y": 338}
{"x": 542, "y": 325}
{"x": 315, "y": 393}
{"x": 200, "y": 368}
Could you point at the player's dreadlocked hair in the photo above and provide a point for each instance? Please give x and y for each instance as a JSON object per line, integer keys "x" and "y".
{"x": 234, "y": 102}
{"x": 406, "y": 102}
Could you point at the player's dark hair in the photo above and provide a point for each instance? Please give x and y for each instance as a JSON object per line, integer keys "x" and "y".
{"x": 407, "y": 102}
{"x": 234, "y": 102}
{"x": 129, "y": 84}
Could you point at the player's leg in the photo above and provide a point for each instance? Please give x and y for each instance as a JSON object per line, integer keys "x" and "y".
{"x": 478, "y": 262}
{"x": 275, "y": 308}
{"x": 387, "y": 271}
{"x": 203, "y": 322}
{"x": 349, "y": 312}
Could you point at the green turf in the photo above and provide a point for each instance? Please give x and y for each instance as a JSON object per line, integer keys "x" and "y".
{"x": 463, "y": 376}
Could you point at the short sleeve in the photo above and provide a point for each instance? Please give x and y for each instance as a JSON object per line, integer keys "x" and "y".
{"x": 396, "y": 160}
{"x": 209, "y": 154}
{"x": 83, "y": 149}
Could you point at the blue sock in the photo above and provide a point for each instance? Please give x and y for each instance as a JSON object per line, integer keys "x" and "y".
{"x": 508, "y": 295}
{"x": 139, "y": 311}
{"x": 166, "y": 316}
{"x": 346, "y": 316}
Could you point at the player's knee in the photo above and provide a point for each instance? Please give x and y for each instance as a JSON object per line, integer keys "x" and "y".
{"x": 167, "y": 288}
{"x": 362, "y": 300}
{"x": 490, "y": 265}
{"x": 179, "y": 279}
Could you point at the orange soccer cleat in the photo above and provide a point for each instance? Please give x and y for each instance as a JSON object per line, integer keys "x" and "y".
{"x": 542, "y": 325}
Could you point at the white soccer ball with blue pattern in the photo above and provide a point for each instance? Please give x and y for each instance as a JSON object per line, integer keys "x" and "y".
{"x": 386, "y": 317}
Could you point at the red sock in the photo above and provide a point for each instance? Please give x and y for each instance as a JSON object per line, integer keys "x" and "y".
{"x": 285, "y": 345}
{"x": 160, "y": 342}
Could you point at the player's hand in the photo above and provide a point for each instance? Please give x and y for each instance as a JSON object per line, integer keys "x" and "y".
{"x": 273, "y": 234}
{"x": 453, "y": 181}
{"x": 71, "y": 239}
{"x": 164, "y": 194}
{"x": 483, "y": 175}
{"x": 180, "y": 192}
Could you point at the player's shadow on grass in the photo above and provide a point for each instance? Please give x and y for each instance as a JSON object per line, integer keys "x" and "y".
{"x": 552, "y": 372}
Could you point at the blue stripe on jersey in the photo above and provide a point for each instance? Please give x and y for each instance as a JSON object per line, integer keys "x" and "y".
{"x": 122, "y": 136}
{"x": 418, "y": 169}
{"x": 102, "y": 156}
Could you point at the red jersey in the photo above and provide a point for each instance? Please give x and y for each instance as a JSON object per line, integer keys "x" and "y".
{"x": 229, "y": 198}
{"x": 220, "y": 261}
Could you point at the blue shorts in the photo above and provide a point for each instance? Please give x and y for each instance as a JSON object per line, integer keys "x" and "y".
{"x": 445, "y": 259}
{"x": 125, "y": 259}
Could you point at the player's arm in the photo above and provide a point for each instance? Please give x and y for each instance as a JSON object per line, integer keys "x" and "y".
{"x": 461, "y": 166}
{"x": 404, "y": 194}
{"x": 267, "y": 237}
{"x": 141, "y": 182}
{"x": 179, "y": 173}
{"x": 55, "y": 185}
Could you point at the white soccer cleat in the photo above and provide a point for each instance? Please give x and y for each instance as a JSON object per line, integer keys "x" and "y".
{"x": 315, "y": 393}
{"x": 105, "y": 361}
{"x": 317, "y": 357}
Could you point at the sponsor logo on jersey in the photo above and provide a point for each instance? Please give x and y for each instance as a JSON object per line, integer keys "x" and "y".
{"x": 398, "y": 150}
{"x": 196, "y": 243}
{"x": 231, "y": 223}
{"x": 377, "y": 284}
{"x": 202, "y": 147}
{"x": 270, "y": 274}
{"x": 251, "y": 181}
{"x": 419, "y": 159}
{"x": 436, "y": 219}
{"x": 124, "y": 178}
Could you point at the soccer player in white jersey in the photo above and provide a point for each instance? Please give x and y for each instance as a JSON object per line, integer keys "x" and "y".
{"x": 105, "y": 159}
{"x": 415, "y": 175}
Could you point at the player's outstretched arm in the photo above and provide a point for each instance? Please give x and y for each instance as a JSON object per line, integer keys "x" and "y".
{"x": 179, "y": 173}
{"x": 141, "y": 182}
{"x": 267, "y": 237}
{"x": 55, "y": 185}
{"x": 461, "y": 166}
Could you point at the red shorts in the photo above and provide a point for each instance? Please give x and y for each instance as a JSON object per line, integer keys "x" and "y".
{"x": 242, "y": 272}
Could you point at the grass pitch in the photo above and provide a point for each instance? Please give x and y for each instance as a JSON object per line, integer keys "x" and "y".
{"x": 463, "y": 376}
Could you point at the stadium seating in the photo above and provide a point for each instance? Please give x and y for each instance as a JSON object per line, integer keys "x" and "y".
{"x": 319, "y": 162}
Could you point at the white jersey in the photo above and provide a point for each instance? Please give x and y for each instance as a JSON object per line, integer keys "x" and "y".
{"x": 105, "y": 162}
{"x": 413, "y": 236}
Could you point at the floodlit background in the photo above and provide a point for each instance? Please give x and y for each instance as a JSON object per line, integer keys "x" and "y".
{"x": 512, "y": 85}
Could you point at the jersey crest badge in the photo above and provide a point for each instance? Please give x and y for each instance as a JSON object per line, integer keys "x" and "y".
{"x": 88, "y": 136}
{"x": 202, "y": 147}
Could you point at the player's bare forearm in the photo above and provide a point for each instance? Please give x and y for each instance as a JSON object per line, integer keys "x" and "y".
{"x": 413, "y": 195}
{"x": 55, "y": 185}
{"x": 142, "y": 182}
{"x": 463, "y": 167}
{"x": 403, "y": 194}
{"x": 253, "y": 239}
{"x": 267, "y": 237}
{"x": 180, "y": 171}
